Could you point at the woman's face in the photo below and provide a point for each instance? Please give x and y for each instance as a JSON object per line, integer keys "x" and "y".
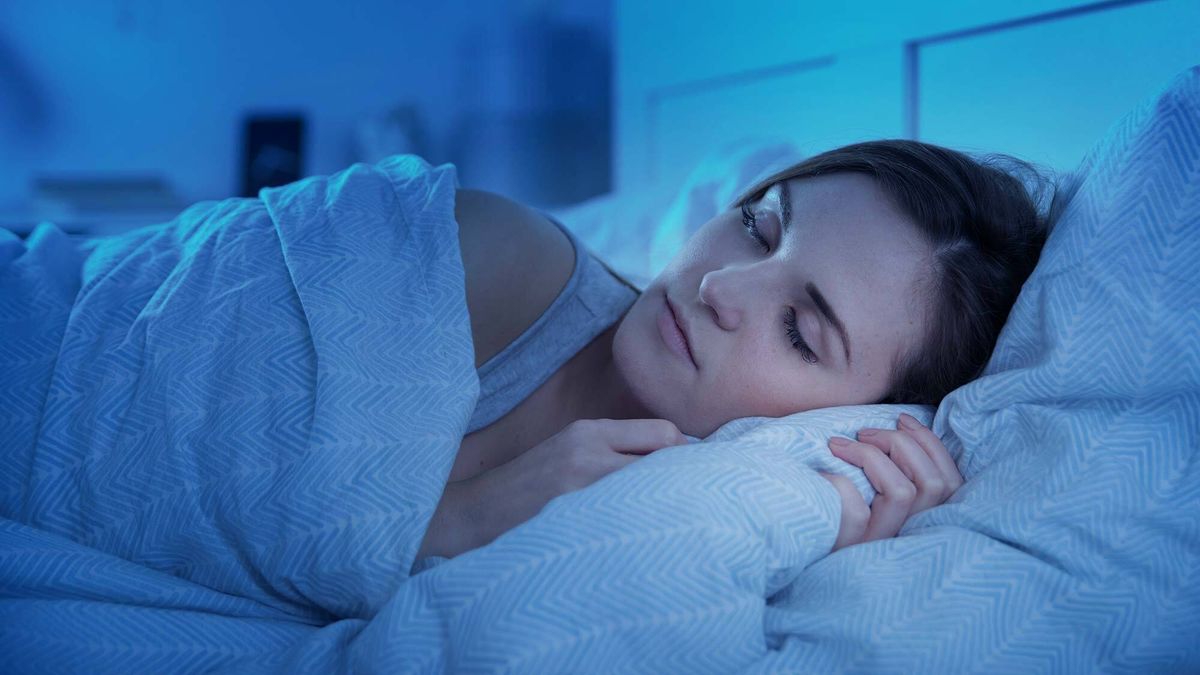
{"x": 735, "y": 301}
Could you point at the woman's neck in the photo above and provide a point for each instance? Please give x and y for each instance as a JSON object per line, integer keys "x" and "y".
{"x": 594, "y": 389}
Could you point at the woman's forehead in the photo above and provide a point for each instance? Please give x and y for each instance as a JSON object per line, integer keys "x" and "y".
{"x": 850, "y": 215}
{"x": 846, "y": 196}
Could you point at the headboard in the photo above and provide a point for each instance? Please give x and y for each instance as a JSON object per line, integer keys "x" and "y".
{"x": 1040, "y": 79}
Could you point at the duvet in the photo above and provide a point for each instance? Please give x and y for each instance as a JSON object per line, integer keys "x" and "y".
{"x": 226, "y": 435}
{"x": 221, "y": 440}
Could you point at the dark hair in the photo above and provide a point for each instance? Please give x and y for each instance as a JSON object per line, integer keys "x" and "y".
{"x": 981, "y": 217}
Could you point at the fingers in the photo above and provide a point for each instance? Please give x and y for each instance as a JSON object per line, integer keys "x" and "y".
{"x": 895, "y": 493}
{"x": 638, "y": 437}
{"x": 934, "y": 448}
{"x": 913, "y": 462}
{"x": 855, "y": 514}
{"x": 909, "y": 467}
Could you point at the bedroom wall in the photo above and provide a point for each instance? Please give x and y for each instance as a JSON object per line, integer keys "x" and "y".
{"x": 1041, "y": 79}
{"x": 140, "y": 87}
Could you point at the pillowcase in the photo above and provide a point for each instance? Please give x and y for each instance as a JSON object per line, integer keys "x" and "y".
{"x": 1107, "y": 322}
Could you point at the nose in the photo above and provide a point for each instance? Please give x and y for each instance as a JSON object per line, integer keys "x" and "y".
{"x": 719, "y": 290}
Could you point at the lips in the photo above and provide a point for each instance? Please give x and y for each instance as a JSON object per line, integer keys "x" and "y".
{"x": 679, "y": 334}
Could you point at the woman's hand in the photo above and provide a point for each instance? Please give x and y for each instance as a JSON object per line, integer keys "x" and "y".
{"x": 475, "y": 511}
{"x": 910, "y": 470}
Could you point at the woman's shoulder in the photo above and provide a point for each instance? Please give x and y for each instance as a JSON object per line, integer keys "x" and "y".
{"x": 516, "y": 262}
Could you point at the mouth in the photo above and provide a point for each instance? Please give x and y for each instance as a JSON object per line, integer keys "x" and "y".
{"x": 673, "y": 333}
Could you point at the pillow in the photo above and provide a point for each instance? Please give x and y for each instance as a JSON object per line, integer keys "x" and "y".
{"x": 1074, "y": 542}
{"x": 637, "y": 232}
{"x": 1107, "y": 321}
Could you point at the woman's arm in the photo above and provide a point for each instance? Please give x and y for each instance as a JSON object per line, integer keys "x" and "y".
{"x": 449, "y": 532}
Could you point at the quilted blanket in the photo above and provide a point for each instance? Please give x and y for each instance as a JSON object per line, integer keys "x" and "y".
{"x": 262, "y": 397}
{"x": 227, "y": 434}
{"x": 262, "y": 514}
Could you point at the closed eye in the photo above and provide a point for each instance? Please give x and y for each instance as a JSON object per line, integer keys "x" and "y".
{"x": 751, "y": 225}
{"x": 793, "y": 333}
{"x": 750, "y": 222}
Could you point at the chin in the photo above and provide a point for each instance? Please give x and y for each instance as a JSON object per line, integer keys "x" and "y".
{"x": 639, "y": 363}
{"x": 699, "y": 429}
{"x": 640, "y": 368}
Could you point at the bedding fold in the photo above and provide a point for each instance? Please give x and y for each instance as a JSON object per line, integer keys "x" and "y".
{"x": 263, "y": 396}
{"x": 673, "y": 558}
{"x": 245, "y": 421}
{"x": 225, "y": 437}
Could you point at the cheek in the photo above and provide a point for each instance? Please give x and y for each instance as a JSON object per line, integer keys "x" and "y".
{"x": 633, "y": 352}
{"x": 700, "y": 248}
{"x": 738, "y": 392}
{"x": 755, "y": 388}
{"x": 623, "y": 346}
{"x": 764, "y": 381}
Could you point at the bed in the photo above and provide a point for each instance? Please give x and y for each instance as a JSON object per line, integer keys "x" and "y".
{"x": 279, "y": 533}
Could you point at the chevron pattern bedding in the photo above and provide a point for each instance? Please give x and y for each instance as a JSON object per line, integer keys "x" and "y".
{"x": 1073, "y": 547}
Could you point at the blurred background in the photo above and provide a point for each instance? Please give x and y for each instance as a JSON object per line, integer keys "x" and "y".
{"x": 115, "y": 113}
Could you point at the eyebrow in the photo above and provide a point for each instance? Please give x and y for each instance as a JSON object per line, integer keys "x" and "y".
{"x": 818, "y": 298}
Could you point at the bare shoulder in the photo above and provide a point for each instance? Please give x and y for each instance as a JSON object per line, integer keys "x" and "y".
{"x": 516, "y": 263}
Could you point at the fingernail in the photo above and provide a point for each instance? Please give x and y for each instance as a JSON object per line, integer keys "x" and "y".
{"x": 868, "y": 432}
{"x": 839, "y": 441}
{"x": 909, "y": 422}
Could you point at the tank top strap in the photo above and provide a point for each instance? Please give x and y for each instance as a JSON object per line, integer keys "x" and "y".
{"x": 591, "y": 301}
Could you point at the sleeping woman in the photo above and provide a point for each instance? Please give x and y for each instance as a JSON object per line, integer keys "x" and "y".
{"x": 275, "y": 397}
{"x": 880, "y": 272}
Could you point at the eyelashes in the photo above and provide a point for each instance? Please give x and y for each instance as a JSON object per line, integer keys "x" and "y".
{"x": 789, "y": 322}
{"x": 751, "y": 225}
{"x": 789, "y": 316}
